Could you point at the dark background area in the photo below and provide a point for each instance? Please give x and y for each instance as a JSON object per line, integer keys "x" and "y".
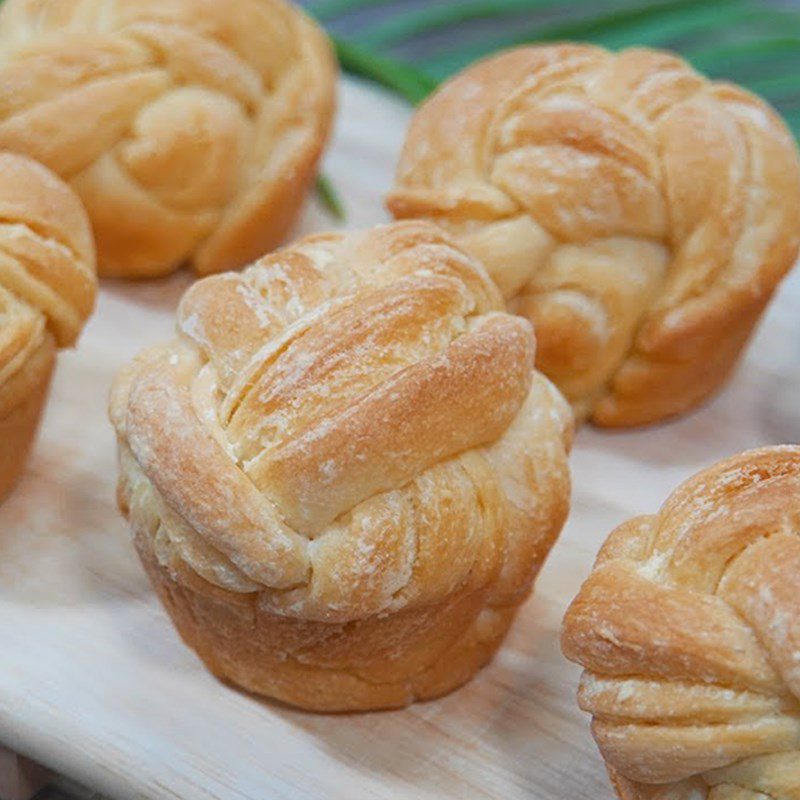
{"x": 411, "y": 45}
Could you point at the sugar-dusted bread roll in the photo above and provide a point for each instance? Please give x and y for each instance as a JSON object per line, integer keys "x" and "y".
{"x": 638, "y": 213}
{"x": 689, "y": 630}
{"x": 344, "y": 474}
{"x": 47, "y": 290}
{"x": 191, "y": 129}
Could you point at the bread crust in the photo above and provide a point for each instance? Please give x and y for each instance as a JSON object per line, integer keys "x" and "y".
{"x": 639, "y": 214}
{"x": 47, "y": 291}
{"x": 362, "y": 665}
{"x": 688, "y": 632}
{"x": 21, "y": 402}
{"x": 343, "y": 476}
{"x": 191, "y": 129}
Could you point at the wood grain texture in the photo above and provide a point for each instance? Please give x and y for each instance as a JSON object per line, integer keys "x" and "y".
{"x": 95, "y": 683}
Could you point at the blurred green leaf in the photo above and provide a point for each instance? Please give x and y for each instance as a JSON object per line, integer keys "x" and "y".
{"x": 329, "y": 197}
{"x": 331, "y": 9}
{"x": 410, "y": 83}
{"x": 615, "y": 28}
{"x": 752, "y": 42}
{"x": 746, "y": 53}
{"x": 420, "y": 21}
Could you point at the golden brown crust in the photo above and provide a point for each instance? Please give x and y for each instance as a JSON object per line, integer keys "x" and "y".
{"x": 344, "y": 475}
{"x": 638, "y": 213}
{"x": 352, "y": 666}
{"x": 21, "y": 400}
{"x": 688, "y": 631}
{"x": 191, "y": 129}
{"x": 47, "y": 291}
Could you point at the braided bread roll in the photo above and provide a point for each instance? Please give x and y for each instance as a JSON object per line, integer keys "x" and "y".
{"x": 689, "y": 630}
{"x": 191, "y": 129}
{"x": 638, "y": 213}
{"x": 47, "y": 291}
{"x": 344, "y": 474}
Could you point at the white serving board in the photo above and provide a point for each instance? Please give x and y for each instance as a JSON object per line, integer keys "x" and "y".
{"x": 95, "y": 683}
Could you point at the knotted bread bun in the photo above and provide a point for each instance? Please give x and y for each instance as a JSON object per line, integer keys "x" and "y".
{"x": 47, "y": 291}
{"x": 191, "y": 129}
{"x": 689, "y": 630}
{"x": 640, "y": 214}
{"x": 344, "y": 474}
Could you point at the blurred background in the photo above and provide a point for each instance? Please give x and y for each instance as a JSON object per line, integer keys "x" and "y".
{"x": 411, "y": 45}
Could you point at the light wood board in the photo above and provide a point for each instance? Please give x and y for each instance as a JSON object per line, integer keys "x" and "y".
{"x": 95, "y": 683}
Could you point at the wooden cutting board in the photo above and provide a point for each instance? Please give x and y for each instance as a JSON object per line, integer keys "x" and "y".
{"x": 95, "y": 683}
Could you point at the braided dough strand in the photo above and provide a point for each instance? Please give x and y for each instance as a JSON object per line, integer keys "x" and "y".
{"x": 47, "y": 291}
{"x": 191, "y": 129}
{"x": 640, "y": 215}
{"x": 688, "y": 630}
{"x": 347, "y": 440}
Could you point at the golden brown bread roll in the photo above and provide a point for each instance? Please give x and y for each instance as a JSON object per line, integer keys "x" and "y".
{"x": 191, "y": 129}
{"x": 47, "y": 290}
{"x": 689, "y": 630}
{"x": 638, "y": 213}
{"x": 344, "y": 474}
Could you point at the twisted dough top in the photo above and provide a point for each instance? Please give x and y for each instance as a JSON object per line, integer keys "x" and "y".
{"x": 639, "y": 213}
{"x": 350, "y": 426}
{"x": 190, "y": 128}
{"x": 47, "y": 278}
{"x": 689, "y": 630}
